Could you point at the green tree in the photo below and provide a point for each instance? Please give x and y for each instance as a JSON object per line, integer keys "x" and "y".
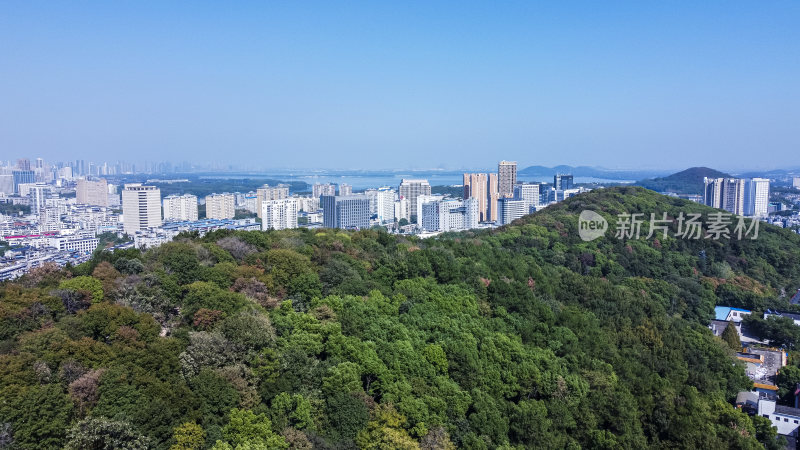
{"x": 731, "y": 337}
{"x": 85, "y": 283}
{"x": 385, "y": 431}
{"x": 103, "y": 434}
{"x": 245, "y": 427}
{"x": 189, "y": 436}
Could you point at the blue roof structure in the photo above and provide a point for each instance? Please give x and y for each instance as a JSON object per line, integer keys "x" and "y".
{"x": 722, "y": 312}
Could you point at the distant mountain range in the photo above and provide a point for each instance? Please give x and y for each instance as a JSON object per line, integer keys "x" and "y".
{"x": 689, "y": 181}
{"x": 586, "y": 171}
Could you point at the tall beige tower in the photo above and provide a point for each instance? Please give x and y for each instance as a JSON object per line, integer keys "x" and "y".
{"x": 483, "y": 187}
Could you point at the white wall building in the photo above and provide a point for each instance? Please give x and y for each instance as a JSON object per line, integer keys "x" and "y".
{"x": 509, "y": 210}
{"x": 267, "y": 192}
{"x": 279, "y": 214}
{"x": 92, "y": 192}
{"x": 220, "y": 206}
{"x": 401, "y": 210}
{"x": 756, "y": 197}
{"x": 318, "y": 190}
{"x": 530, "y": 194}
{"x": 450, "y": 215}
{"x": 141, "y": 207}
{"x": 180, "y": 207}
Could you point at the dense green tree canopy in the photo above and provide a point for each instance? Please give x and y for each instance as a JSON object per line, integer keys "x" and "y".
{"x": 524, "y": 336}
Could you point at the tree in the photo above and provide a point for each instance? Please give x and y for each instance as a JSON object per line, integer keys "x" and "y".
{"x": 85, "y": 283}
{"x": 385, "y": 431}
{"x": 189, "y": 436}
{"x": 731, "y": 337}
{"x": 99, "y": 433}
{"x": 245, "y": 428}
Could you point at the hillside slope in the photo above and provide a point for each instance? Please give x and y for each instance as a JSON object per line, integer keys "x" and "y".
{"x": 520, "y": 337}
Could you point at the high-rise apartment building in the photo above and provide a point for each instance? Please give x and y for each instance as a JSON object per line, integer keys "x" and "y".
{"x": 318, "y": 190}
{"x": 93, "y": 193}
{"x": 725, "y": 193}
{"x": 450, "y": 215}
{"x": 411, "y": 189}
{"x": 506, "y": 178}
{"x": 484, "y": 188}
{"x": 348, "y": 212}
{"x": 562, "y": 182}
{"x": 796, "y": 182}
{"x": 509, "y": 210}
{"x": 38, "y": 193}
{"x": 24, "y": 164}
{"x": 530, "y": 193}
{"x": 345, "y": 189}
{"x": 279, "y": 214}
{"x": 180, "y": 207}
{"x": 220, "y": 206}
{"x": 141, "y": 207}
{"x": 381, "y": 203}
{"x": 23, "y": 177}
{"x": 267, "y": 192}
{"x": 756, "y": 197}
{"x": 401, "y": 209}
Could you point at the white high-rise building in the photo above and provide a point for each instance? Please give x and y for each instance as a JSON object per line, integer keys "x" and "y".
{"x": 180, "y": 207}
{"x": 530, "y": 194}
{"x": 267, "y": 192}
{"x": 450, "y": 215}
{"x": 93, "y": 193}
{"x": 381, "y": 203}
{"x": 421, "y": 200}
{"x": 318, "y": 190}
{"x": 796, "y": 182}
{"x": 279, "y": 214}
{"x": 345, "y": 189}
{"x": 401, "y": 210}
{"x": 509, "y": 210}
{"x": 756, "y": 197}
{"x": 725, "y": 193}
{"x": 141, "y": 207}
{"x": 411, "y": 189}
{"x": 220, "y": 206}
{"x": 38, "y": 193}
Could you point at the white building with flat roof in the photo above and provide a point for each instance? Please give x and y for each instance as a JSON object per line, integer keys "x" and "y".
{"x": 141, "y": 207}
{"x": 220, "y": 206}
{"x": 180, "y": 207}
{"x": 279, "y": 214}
{"x": 93, "y": 193}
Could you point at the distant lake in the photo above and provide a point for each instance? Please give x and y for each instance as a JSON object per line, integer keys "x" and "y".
{"x": 366, "y": 180}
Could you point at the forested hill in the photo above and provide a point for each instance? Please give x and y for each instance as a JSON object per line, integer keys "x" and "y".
{"x": 521, "y": 337}
{"x": 689, "y": 181}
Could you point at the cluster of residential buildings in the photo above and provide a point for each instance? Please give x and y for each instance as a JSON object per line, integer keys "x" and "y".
{"x": 740, "y": 196}
{"x": 59, "y": 222}
{"x": 762, "y": 365}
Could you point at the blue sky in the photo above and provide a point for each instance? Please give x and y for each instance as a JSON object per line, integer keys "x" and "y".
{"x": 404, "y": 84}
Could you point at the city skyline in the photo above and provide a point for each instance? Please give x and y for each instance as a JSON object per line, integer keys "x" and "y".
{"x": 405, "y": 86}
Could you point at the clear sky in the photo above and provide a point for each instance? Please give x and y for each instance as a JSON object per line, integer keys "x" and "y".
{"x": 380, "y": 84}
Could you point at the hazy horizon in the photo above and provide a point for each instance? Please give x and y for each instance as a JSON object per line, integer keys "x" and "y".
{"x": 634, "y": 86}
